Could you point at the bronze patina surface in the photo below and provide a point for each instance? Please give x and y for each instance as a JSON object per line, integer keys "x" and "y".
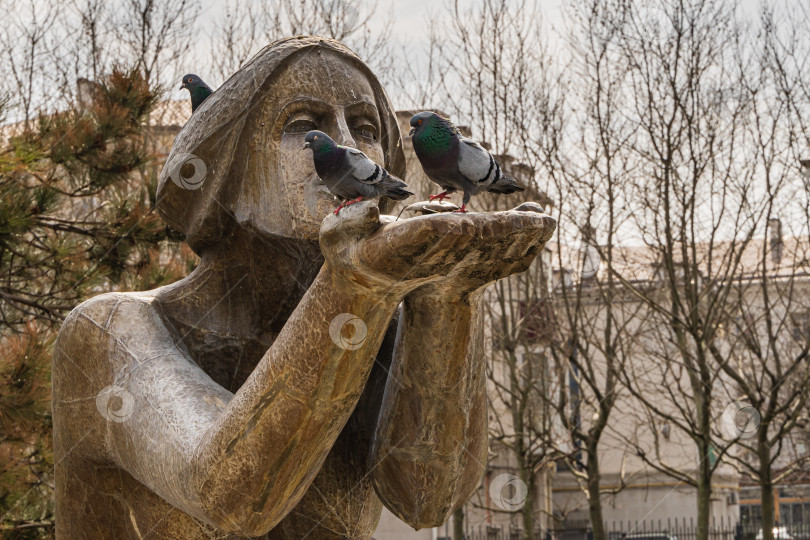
{"x": 313, "y": 367}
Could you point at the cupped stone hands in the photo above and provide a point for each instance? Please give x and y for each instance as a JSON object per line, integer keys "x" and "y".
{"x": 458, "y": 253}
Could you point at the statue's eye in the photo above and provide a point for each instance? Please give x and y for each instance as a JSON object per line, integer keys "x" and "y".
{"x": 300, "y": 125}
{"x": 367, "y": 131}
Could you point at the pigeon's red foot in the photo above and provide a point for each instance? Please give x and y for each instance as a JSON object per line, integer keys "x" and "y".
{"x": 462, "y": 210}
{"x": 441, "y": 196}
{"x": 347, "y": 203}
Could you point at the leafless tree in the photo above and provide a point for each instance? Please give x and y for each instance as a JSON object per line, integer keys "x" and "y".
{"x": 236, "y": 37}
{"x": 24, "y": 46}
{"x": 692, "y": 189}
{"x": 47, "y": 46}
{"x": 704, "y": 156}
{"x": 80, "y": 51}
{"x": 767, "y": 322}
{"x": 578, "y": 145}
{"x": 93, "y": 36}
{"x": 520, "y": 376}
{"x": 156, "y": 35}
{"x": 420, "y": 82}
{"x": 249, "y": 26}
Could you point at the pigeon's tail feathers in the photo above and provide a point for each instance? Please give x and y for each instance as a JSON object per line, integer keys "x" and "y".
{"x": 506, "y": 188}
{"x": 505, "y": 184}
{"x": 397, "y": 193}
{"x": 395, "y": 188}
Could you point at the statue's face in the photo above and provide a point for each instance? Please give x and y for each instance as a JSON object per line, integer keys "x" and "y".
{"x": 282, "y": 194}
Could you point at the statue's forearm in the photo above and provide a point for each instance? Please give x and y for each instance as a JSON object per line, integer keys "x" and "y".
{"x": 260, "y": 456}
{"x": 431, "y": 440}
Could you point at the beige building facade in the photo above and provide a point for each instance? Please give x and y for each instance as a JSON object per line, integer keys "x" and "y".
{"x": 637, "y": 492}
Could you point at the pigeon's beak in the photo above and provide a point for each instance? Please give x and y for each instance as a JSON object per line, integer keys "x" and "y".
{"x": 182, "y": 86}
{"x": 412, "y": 131}
{"x": 306, "y": 145}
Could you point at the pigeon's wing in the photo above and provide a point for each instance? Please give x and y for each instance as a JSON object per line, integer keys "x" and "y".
{"x": 475, "y": 163}
{"x": 362, "y": 168}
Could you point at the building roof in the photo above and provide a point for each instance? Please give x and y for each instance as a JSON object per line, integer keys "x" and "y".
{"x": 171, "y": 113}
{"x": 782, "y": 258}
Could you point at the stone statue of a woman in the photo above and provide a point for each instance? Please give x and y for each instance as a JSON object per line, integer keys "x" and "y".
{"x": 275, "y": 392}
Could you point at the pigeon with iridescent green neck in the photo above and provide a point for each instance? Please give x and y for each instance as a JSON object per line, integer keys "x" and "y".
{"x": 455, "y": 162}
{"x": 197, "y": 88}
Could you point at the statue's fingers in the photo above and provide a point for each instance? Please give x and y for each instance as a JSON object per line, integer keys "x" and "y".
{"x": 530, "y": 206}
{"x": 354, "y": 221}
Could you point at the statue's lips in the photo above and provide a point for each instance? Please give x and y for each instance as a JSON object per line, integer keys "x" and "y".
{"x": 318, "y": 200}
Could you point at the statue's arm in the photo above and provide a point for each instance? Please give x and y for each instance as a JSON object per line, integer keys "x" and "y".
{"x": 261, "y": 454}
{"x": 239, "y": 462}
{"x": 431, "y": 442}
{"x": 430, "y": 449}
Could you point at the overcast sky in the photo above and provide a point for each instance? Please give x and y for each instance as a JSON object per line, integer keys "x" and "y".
{"x": 409, "y": 27}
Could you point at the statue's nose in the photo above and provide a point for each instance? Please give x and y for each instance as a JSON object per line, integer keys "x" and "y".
{"x": 344, "y": 134}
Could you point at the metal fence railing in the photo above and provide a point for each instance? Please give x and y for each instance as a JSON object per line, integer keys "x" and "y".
{"x": 671, "y": 529}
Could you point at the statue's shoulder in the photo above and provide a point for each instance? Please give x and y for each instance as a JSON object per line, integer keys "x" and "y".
{"x": 112, "y": 314}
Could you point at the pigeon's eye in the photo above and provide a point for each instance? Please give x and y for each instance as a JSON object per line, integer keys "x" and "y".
{"x": 189, "y": 80}
{"x": 419, "y": 122}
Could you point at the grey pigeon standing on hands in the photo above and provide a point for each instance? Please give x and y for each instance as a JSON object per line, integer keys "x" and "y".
{"x": 455, "y": 162}
{"x": 197, "y": 88}
{"x": 349, "y": 173}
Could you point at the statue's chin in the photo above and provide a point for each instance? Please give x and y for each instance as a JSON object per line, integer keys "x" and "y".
{"x": 318, "y": 202}
{"x": 300, "y": 219}
{"x": 302, "y": 222}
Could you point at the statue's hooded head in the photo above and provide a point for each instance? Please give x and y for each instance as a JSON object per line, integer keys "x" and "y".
{"x": 240, "y": 161}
